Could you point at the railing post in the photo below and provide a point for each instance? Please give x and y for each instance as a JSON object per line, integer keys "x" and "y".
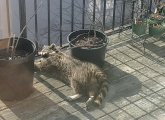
{"x": 123, "y": 13}
{"x": 133, "y": 8}
{"x": 142, "y": 4}
{"x": 61, "y": 23}
{"x": 94, "y": 10}
{"x": 150, "y": 6}
{"x": 72, "y": 16}
{"x": 104, "y": 13}
{"x": 36, "y": 23}
{"x": 114, "y": 13}
{"x": 83, "y": 15}
{"x": 48, "y": 5}
{"x": 22, "y": 16}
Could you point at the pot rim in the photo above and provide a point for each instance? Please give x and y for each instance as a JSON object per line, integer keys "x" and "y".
{"x": 26, "y": 57}
{"x": 101, "y": 46}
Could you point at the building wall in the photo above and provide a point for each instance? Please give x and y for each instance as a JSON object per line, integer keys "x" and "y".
{"x": 4, "y": 20}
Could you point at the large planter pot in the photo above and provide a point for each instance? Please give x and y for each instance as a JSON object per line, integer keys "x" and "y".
{"x": 95, "y": 55}
{"x": 156, "y": 19}
{"x": 139, "y": 28}
{"x": 156, "y": 31}
{"x": 16, "y": 75}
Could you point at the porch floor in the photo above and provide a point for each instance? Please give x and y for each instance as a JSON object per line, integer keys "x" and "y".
{"x": 137, "y": 89}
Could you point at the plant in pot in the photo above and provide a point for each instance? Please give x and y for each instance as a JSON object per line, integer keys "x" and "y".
{"x": 17, "y": 56}
{"x": 88, "y": 45}
{"x": 156, "y": 21}
{"x": 156, "y": 18}
{"x": 160, "y": 9}
{"x": 156, "y": 30}
{"x": 16, "y": 68}
{"x": 156, "y": 25}
{"x": 139, "y": 24}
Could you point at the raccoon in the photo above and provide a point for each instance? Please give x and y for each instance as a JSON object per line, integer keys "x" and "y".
{"x": 85, "y": 78}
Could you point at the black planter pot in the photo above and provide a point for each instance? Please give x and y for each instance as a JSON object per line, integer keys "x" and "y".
{"x": 156, "y": 31}
{"x": 95, "y": 55}
{"x": 16, "y": 76}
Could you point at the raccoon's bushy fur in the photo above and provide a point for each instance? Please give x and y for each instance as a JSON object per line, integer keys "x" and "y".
{"x": 85, "y": 78}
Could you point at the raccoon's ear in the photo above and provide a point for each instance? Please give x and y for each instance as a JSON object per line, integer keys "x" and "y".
{"x": 44, "y": 46}
{"x": 52, "y": 46}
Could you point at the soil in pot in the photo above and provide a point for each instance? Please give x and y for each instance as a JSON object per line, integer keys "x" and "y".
{"x": 85, "y": 41}
{"x": 17, "y": 70}
{"x": 10, "y": 55}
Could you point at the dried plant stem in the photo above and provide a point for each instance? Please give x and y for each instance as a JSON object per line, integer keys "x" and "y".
{"x": 12, "y": 46}
{"x": 17, "y": 41}
{"x": 8, "y": 44}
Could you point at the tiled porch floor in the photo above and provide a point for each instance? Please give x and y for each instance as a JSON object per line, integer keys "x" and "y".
{"x": 137, "y": 90}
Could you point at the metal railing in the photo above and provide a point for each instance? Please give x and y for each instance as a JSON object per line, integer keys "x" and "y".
{"x": 115, "y": 17}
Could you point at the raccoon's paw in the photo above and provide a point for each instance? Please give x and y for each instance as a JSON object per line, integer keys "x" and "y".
{"x": 37, "y": 65}
{"x": 89, "y": 103}
{"x": 73, "y": 97}
{"x": 69, "y": 98}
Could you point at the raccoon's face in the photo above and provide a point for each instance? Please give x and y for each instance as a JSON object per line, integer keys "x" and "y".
{"x": 48, "y": 51}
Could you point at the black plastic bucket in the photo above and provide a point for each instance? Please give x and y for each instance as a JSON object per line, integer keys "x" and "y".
{"x": 16, "y": 75}
{"x": 94, "y": 55}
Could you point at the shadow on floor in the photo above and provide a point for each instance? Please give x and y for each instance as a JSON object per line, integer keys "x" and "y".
{"x": 122, "y": 84}
{"x": 159, "y": 50}
{"x": 36, "y": 107}
{"x": 63, "y": 93}
{"x": 152, "y": 48}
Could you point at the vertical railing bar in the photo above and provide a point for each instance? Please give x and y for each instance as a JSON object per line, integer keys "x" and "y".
{"x": 142, "y": 5}
{"x": 22, "y": 14}
{"x": 133, "y": 8}
{"x": 36, "y": 24}
{"x": 72, "y": 16}
{"x": 83, "y": 15}
{"x": 48, "y": 5}
{"x": 94, "y": 10}
{"x": 150, "y": 6}
{"x": 61, "y": 23}
{"x": 36, "y": 19}
{"x": 104, "y": 13}
{"x": 123, "y": 13}
{"x": 114, "y": 14}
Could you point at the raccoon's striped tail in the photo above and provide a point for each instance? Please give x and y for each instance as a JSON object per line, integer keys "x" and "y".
{"x": 102, "y": 94}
